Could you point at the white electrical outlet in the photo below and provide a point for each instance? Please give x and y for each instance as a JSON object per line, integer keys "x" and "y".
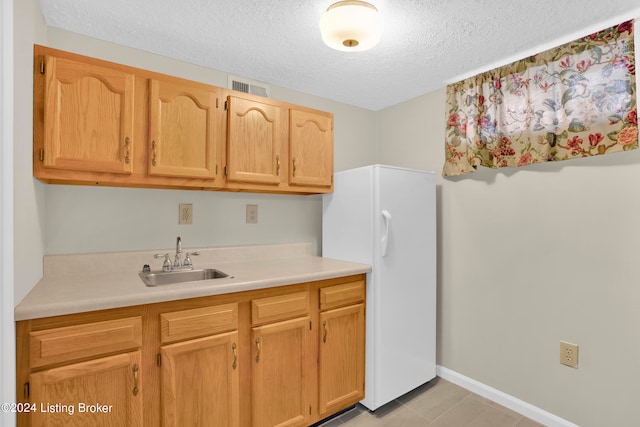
{"x": 185, "y": 213}
{"x": 252, "y": 214}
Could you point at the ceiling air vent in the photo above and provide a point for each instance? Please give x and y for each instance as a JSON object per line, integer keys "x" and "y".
{"x": 248, "y": 86}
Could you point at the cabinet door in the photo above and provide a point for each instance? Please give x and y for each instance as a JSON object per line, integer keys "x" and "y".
{"x": 182, "y": 130}
{"x": 88, "y": 117}
{"x": 101, "y": 392}
{"x": 281, "y": 371}
{"x": 254, "y": 135}
{"x": 310, "y": 148}
{"x": 200, "y": 382}
{"x": 341, "y": 358}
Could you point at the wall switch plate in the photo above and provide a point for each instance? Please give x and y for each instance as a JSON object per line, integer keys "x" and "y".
{"x": 252, "y": 214}
{"x": 185, "y": 214}
{"x": 569, "y": 354}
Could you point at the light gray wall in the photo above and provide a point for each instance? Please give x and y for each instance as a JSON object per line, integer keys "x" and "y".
{"x": 103, "y": 219}
{"x": 7, "y": 332}
{"x": 29, "y": 213}
{"x": 529, "y": 257}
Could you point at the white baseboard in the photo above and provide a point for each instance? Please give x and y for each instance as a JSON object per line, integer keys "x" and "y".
{"x": 508, "y": 401}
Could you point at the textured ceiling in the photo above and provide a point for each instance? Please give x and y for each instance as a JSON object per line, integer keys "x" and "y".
{"x": 425, "y": 44}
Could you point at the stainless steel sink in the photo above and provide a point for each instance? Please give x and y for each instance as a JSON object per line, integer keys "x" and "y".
{"x": 155, "y": 278}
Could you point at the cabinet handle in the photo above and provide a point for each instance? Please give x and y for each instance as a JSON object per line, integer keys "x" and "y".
{"x": 324, "y": 325}
{"x": 294, "y": 166}
{"x": 135, "y": 379}
{"x": 153, "y": 152}
{"x": 259, "y": 350}
{"x": 277, "y": 165}
{"x": 234, "y": 365}
{"x": 127, "y": 156}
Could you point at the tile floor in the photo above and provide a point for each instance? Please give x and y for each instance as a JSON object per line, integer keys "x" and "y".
{"x": 438, "y": 403}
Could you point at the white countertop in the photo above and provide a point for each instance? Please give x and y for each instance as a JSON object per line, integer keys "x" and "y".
{"x": 88, "y": 282}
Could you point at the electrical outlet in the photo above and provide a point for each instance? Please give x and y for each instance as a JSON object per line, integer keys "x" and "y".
{"x": 185, "y": 213}
{"x": 569, "y": 354}
{"x": 252, "y": 214}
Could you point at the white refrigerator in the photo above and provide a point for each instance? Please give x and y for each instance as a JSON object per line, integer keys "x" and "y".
{"x": 386, "y": 217}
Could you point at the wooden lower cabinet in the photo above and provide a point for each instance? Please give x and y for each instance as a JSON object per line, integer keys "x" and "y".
{"x": 101, "y": 392}
{"x": 280, "y": 384}
{"x": 286, "y": 356}
{"x": 341, "y": 351}
{"x": 200, "y": 382}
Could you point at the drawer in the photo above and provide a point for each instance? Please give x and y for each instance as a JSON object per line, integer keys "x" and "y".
{"x": 342, "y": 295}
{"x": 71, "y": 343}
{"x": 271, "y": 309}
{"x": 198, "y": 322}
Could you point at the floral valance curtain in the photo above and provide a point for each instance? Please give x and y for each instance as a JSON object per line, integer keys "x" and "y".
{"x": 576, "y": 100}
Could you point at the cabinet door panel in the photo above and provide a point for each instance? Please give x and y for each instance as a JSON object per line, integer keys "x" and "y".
{"x": 183, "y": 132}
{"x": 68, "y": 395}
{"x": 200, "y": 382}
{"x": 341, "y": 357}
{"x": 311, "y": 149}
{"x": 280, "y": 372}
{"x": 254, "y": 135}
{"x": 88, "y": 117}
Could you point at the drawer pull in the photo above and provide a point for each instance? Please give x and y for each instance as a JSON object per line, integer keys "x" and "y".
{"x": 127, "y": 156}
{"x": 324, "y": 337}
{"x": 258, "y": 345}
{"x": 135, "y": 379}
{"x": 234, "y": 365}
{"x": 153, "y": 151}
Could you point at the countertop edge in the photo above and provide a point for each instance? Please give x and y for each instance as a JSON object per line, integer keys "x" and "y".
{"x": 80, "y": 294}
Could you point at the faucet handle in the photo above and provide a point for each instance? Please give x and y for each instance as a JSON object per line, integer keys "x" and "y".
{"x": 166, "y": 265}
{"x": 187, "y": 260}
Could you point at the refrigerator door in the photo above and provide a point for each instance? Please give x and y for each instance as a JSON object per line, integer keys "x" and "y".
{"x": 385, "y": 216}
{"x": 403, "y": 277}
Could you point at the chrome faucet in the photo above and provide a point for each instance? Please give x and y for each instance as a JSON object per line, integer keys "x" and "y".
{"x": 177, "y": 261}
{"x": 177, "y": 264}
{"x": 166, "y": 265}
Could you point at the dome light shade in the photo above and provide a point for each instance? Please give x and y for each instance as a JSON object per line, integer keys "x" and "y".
{"x": 351, "y": 26}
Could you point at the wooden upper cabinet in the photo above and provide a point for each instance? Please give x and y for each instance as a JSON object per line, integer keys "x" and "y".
{"x": 88, "y": 117}
{"x": 182, "y": 141}
{"x": 310, "y": 148}
{"x": 254, "y": 141}
{"x": 101, "y": 123}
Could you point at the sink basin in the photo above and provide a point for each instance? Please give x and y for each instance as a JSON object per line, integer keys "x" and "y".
{"x": 156, "y": 278}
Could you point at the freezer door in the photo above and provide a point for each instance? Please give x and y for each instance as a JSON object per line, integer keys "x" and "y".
{"x": 347, "y": 220}
{"x": 404, "y": 281}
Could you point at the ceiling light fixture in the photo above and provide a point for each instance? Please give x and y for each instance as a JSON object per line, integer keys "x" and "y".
{"x": 351, "y": 26}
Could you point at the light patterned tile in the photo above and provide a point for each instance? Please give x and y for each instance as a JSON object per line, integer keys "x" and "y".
{"x": 362, "y": 419}
{"x": 526, "y": 422}
{"x": 436, "y": 400}
{"x": 472, "y": 412}
{"x": 393, "y": 414}
{"x": 333, "y": 423}
{"x": 436, "y": 404}
{"x": 497, "y": 406}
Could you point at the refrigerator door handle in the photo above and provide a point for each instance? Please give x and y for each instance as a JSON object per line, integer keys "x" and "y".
{"x": 387, "y": 225}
